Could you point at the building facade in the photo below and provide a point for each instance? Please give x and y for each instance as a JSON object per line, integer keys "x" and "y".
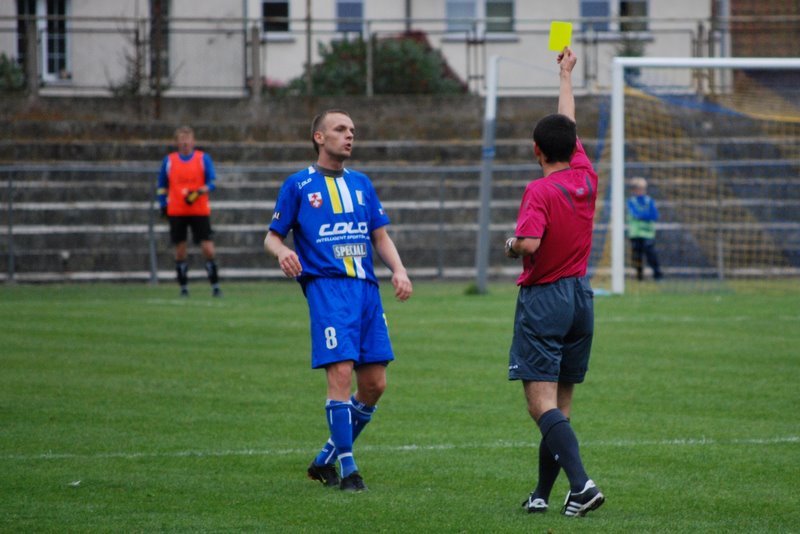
{"x": 226, "y": 48}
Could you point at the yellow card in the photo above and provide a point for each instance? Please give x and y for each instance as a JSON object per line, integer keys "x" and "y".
{"x": 560, "y": 35}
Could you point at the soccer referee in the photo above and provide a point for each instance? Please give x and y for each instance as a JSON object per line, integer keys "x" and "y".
{"x": 554, "y": 318}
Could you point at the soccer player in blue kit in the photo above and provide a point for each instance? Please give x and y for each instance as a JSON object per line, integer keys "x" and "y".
{"x": 336, "y": 220}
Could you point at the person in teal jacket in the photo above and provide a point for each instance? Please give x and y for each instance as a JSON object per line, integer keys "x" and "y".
{"x": 642, "y": 217}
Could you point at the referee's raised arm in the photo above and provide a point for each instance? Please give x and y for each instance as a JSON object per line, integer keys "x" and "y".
{"x": 566, "y": 100}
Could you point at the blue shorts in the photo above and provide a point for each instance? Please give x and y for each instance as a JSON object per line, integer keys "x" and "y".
{"x": 347, "y": 322}
{"x": 553, "y": 329}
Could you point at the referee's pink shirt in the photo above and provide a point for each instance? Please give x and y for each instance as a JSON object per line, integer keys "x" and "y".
{"x": 559, "y": 209}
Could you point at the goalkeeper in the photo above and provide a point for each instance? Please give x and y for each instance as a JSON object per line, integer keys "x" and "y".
{"x": 187, "y": 177}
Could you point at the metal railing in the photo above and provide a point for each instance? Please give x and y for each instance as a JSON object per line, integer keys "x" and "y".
{"x": 434, "y": 212}
{"x": 91, "y": 230}
{"x": 237, "y": 57}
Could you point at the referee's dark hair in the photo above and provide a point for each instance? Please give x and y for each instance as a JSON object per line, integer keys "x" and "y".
{"x": 556, "y": 136}
{"x": 317, "y": 123}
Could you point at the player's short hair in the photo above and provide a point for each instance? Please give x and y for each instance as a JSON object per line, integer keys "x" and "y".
{"x": 316, "y": 124}
{"x": 184, "y": 130}
{"x": 556, "y": 136}
{"x": 638, "y": 183}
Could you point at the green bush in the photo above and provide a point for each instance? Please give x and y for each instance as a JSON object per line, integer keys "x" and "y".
{"x": 405, "y": 65}
{"x": 11, "y": 76}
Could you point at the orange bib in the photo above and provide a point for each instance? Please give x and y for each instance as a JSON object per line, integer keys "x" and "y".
{"x": 185, "y": 176}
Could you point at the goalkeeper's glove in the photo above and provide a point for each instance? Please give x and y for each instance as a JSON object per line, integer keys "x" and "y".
{"x": 191, "y": 196}
{"x": 510, "y": 248}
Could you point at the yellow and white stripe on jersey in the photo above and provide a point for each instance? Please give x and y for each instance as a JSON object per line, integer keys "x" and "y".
{"x": 349, "y": 266}
{"x": 354, "y": 267}
{"x": 341, "y": 200}
{"x": 360, "y": 272}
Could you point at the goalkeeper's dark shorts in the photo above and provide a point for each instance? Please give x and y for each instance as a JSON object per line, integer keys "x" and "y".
{"x": 553, "y": 329}
{"x": 200, "y": 225}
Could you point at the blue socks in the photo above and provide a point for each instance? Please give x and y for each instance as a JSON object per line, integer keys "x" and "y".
{"x": 346, "y": 420}
{"x": 559, "y": 437}
{"x": 341, "y": 427}
{"x": 327, "y": 455}
{"x": 362, "y": 414}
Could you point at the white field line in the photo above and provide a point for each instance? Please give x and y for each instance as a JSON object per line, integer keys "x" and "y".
{"x": 693, "y": 319}
{"x": 676, "y": 442}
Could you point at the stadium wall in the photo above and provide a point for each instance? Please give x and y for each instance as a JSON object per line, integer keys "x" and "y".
{"x": 79, "y": 177}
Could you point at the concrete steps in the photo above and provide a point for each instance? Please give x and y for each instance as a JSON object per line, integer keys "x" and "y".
{"x": 82, "y": 178}
{"x": 251, "y": 152}
{"x": 72, "y": 219}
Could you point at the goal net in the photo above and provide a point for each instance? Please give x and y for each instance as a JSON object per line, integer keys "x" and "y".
{"x": 718, "y": 143}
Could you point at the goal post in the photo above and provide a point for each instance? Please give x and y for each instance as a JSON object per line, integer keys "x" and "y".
{"x": 719, "y": 138}
{"x": 487, "y": 160}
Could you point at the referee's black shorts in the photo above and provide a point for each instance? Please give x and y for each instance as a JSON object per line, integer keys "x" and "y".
{"x": 553, "y": 329}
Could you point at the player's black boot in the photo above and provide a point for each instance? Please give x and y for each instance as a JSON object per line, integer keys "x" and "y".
{"x": 352, "y": 482}
{"x": 324, "y": 473}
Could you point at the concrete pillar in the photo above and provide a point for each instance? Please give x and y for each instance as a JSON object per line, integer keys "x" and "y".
{"x": 256, "y": 82}
{"x": 32, "y": 57}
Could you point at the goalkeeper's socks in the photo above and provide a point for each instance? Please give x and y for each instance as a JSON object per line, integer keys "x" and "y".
{"x": 562, "y": 442}
{"x": 182, "y": 269}
{"x": 211, "y": 270}
{"x": 341, "y": 427}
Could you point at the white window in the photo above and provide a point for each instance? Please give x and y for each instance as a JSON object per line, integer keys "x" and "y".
{"x": 604, "y": 10}
{"x": 51, "y": 25}
{"x": 460, "y": 15}
{"x": 633, "y": 8}
{"x": 500, "y": 15}
{"x": 272, "y": 11}
{"x": 480, "y": 16}
{"x": 349, "y": 15}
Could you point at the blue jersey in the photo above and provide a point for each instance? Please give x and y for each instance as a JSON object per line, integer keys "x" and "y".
{"x": 642, "y": 208}
{"x": 332, "y": 218}
{"x": 642, "y": 217}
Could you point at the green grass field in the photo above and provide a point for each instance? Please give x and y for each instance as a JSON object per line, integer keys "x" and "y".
{"x": 126, "y": 409}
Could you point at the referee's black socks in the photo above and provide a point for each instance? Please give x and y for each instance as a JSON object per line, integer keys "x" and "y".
{"x": 562, "y": 442}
